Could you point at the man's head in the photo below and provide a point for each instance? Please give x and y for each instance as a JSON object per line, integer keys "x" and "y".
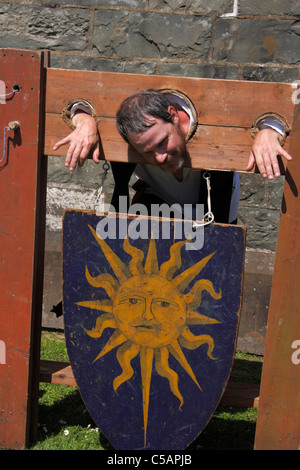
{"x": 151, "y": 125}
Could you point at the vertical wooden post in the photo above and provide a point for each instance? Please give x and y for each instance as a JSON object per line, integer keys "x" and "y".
{"x": 22, "y": 219}
{"x": 278, "y": 425}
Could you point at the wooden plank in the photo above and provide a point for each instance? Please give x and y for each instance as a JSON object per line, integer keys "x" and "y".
{"x": 22, "y": 215}
{"x": 56, "y": 373}
{"x": 278, "y": 425}
{"x": 218, "y": 102}
{"x": 212, "y": 147}
{"x": 241, "y": 394}
{"x": 223, "y": 139}
{"x": 236, "y": 393}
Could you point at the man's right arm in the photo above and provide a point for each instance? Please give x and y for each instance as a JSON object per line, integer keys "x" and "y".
{"x": 83, "y": 140}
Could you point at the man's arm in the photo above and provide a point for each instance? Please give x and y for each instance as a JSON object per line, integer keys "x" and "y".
{"x": 83, "y": 141}
{"x": 269, "y": 135}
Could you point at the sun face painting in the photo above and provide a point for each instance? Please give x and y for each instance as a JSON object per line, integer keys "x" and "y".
{"x": 150, "y": 328}
{"x": 150, "y": 314}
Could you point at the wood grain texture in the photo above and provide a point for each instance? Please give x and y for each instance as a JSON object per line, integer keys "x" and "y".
{"x": 278, "y": 425}
{"x": 22, "y": 209}
{"x": 226, "y": 110}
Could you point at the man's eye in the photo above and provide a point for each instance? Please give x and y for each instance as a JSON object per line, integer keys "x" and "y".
{"x": 163, "y": 142}
{"x": 133, "y": 301}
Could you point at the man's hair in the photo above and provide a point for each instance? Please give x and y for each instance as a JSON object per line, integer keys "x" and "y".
{"x": 133, "y": 114}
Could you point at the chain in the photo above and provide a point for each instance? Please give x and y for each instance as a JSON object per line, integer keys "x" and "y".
{"x": 209, "y": 216}
{"x": 99, "y": 204}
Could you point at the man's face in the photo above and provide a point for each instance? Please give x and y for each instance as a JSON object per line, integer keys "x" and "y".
{"x": 163, "y": 144}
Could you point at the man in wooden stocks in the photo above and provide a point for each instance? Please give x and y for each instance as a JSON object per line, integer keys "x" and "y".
{"x": 157, "y": 124}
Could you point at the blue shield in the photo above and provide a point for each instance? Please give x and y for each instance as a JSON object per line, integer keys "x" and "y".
{"x": 150, "y": 324}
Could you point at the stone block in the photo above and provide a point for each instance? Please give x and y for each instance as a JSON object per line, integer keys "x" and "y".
{"x": 104, "y": 3}
{"x": 35, "y": 27}
{"x": 258, "y": 275}
{"x": 257, "y": 40}
{"x": 52, "y": 293}
{"x": 253, "y": 190}
{"x": 269, "y": 7}
{"x": 198, "y": 70}
{"x": 130, "y": 34}
{"x": 262, "y": 227}
{"x": 109, "y": 65}
{"x": 275, "y": 192}
{"x": 270, "y": 74}
{"x": 193, "y": 6}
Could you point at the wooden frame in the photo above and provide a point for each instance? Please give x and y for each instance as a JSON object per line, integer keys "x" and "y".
{"x": 226, "y": 111}
{"x": 22, "y": 206}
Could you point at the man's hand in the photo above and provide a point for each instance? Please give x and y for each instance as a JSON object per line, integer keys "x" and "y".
{"x": 265, "y": 150}
{"x": 82, "y": 141}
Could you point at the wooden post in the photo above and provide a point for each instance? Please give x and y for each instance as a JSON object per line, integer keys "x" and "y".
{"x": 22, "y": 216}
{"x": 278, "y": 425}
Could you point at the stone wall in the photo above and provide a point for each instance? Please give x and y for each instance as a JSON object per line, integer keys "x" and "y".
{"x": 231, "y": 39}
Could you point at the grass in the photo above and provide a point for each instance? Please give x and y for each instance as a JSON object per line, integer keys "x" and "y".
{"x": 65, "y": 423}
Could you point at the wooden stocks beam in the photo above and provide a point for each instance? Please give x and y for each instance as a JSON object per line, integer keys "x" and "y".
{"x": 22, "y": 218}
{"x": 226, "y": 110}
{"x": 278, "y": 425}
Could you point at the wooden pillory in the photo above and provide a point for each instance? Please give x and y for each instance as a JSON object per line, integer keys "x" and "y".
{"x": 35, "y": 98}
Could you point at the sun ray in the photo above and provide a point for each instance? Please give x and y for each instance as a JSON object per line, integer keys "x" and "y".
{"x": 125, "y": 354}
{"x": 151, "y": 264}
{"x": 176, "y": 351}
{"x": 102, "y": 305}
{"x": 106, "y": 281}
{"x": 193, "y": 297}
{"x": 163, "y": 369}
{"x": 146, "y": 360}
{"x": 135, "y": 265}
{"x": 105, "y": 321}
{"x": 116, "y": 339}
{"x": 194, "y": 318}
{"x": 168, "y": 268}
{"x": 189, "y": 341}
{"x": 183, "y": 279}
{"x": 119, "y": 268}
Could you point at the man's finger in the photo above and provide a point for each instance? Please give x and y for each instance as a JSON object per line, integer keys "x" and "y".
{"x": 260, "y": 164}
{"x": 251, "y": 162}
{"x": 275, "y": 165}
{"x": 64, "y": 141}
{"x": 74, "y": 159}
{"x": 285, "y": 154}
{"x": 96, "y": 154}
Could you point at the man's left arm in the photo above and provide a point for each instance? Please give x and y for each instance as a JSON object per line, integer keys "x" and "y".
{"x": 269, "y": 134}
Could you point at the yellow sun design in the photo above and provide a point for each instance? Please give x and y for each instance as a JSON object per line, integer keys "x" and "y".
{"x": 150, "y": 314}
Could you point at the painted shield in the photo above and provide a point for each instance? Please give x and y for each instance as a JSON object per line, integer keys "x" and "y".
{"x": 150, "y": 324}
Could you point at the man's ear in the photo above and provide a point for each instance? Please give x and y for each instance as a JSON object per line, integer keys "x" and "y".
{"x": 174, "y": 115}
